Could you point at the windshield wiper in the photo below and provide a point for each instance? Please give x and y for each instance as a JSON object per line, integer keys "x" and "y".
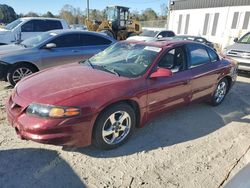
{"x": 112, "y": 70}
{"x": 89, "y": 63}
{"x": 20, "y": 44}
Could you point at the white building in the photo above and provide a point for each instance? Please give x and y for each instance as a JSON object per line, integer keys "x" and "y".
{"x": 219, "y": 21}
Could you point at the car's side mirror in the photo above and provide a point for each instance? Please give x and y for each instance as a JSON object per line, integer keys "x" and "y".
{"x": 236, "y": 40}
{"x": 161, "y": 72}
{"x": 50, "y": 46}
{"x": 159, "y": 36}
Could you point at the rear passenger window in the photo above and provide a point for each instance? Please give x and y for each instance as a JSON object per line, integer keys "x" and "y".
{"x": 91, "y": 40}
{"x": 198, "y": 55}
{"x": 213, "y": 55}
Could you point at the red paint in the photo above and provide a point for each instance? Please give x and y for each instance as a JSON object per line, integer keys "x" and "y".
{"x": 93, "y": 90}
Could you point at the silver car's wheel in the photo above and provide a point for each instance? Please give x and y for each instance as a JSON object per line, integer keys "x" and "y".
{"x": 17, "y": 72}
{"x": 21, "y": 73}
{"x": 116, "y": 127}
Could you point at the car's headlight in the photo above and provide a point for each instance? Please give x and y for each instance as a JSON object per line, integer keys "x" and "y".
{"x": 224, "y": 51}
{"x": 52, "y": 111}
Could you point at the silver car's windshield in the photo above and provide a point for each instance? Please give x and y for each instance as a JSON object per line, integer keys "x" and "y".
{"x": 245, "y": 39}
{"x": 37, "y": 40}
{"x": 148, "y": 33}
{"x": 125, "y": 59}
{"x": 13, "y": 24}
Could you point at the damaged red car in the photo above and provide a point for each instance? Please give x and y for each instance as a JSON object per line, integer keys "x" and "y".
{"x": 102, "y": 100}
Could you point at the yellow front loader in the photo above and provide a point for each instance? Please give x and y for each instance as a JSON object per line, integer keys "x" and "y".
{"x": 118, "y": 24}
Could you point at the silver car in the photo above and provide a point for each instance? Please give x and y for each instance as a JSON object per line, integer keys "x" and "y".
{"x": 240, "y": 52}
{"x": 50, "y": 49}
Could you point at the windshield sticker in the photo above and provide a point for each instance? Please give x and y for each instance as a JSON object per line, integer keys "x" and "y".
{"x": 152, "y": 48}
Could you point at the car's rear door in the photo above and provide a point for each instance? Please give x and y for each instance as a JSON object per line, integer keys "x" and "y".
{"x": 168, "y": 92}
{"x": 204, "y": 67}
{"x": 92, "y": 44}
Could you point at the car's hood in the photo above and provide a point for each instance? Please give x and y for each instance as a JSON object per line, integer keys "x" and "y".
{"x": 240, "y": 47}
{"x": 61, "y": 83}
{"x": 3, "y": 31}
{"x": 141, "y": 38}
{"x": 11, "y": 48}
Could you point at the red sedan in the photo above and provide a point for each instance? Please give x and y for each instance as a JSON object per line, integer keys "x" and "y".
{"x": 103, "y": 99}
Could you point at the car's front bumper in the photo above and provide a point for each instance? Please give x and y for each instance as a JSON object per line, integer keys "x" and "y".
{"x": 75, "y": 132}
{"x": 243, "y": 63}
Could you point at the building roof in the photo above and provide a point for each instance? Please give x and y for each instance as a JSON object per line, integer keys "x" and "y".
{"x": 195, "y": 4}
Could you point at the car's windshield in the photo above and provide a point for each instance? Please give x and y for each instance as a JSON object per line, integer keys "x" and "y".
{"x": 37, "y": 40}
{"x": 245, "y": 39}
{"x": 13, "y": 24}
{"x": 148, "y": 33}
{"x": 184, "y": 38}
{"x": 126, "y": 59}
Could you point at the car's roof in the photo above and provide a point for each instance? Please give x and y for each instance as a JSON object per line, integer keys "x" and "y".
{"x": 162, "y": 43}
{"x": 69, "y": 31}
{"x": 39, "y": 18}
{"x": 63, "y": 31}
{"x": 191, "y": 36}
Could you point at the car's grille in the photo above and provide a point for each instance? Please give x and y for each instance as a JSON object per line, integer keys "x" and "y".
{"x": 238, "y": 53}
{"x": 244, "y": 64}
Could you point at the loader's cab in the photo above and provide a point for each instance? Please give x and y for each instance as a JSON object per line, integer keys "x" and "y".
{"x": 118, "y": 16}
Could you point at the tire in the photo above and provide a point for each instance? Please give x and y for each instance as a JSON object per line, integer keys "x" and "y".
{"x": 220, "y": 92}
{"x": 109, "y": 33}
{"x": 16, "y": 73}
{"x": 110, "y": 132}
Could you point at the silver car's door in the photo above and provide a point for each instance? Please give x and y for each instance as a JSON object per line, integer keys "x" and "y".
{"x": 72, "y": 48}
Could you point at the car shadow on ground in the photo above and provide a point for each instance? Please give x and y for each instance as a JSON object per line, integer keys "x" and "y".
{"x": 185, "y": 124}
{"x": 35, "y": 168}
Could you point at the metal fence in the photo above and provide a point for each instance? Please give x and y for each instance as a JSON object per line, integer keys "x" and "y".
{"x": 154, "y": 24}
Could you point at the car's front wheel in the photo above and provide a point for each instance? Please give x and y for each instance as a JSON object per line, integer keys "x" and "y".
{"x": 220, "y": 92}
{"x": 16, "y": 73}
{"x": 114, "y": 126}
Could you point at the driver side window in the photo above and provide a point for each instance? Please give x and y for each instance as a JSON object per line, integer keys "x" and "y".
{"x": 174, "y": 59}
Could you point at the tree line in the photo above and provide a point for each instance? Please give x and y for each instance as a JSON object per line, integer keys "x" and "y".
{"x": 76, "y": 16}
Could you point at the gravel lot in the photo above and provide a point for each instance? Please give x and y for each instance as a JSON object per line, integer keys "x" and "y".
{"x": 195, "y": 146}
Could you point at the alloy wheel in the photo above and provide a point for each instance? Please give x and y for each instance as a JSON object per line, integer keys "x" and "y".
{"x": 220, "y": 92}
{"x": 21, "y": 73}
{"x": 116, "y": 127}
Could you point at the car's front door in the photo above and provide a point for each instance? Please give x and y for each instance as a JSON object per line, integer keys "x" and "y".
{"x": 67, "y": 50}
{"x": 204, "y": 68}
{"x": 73, "y": 48}
{"x": 168, "y": 92}
{"x": 31, "y": 28}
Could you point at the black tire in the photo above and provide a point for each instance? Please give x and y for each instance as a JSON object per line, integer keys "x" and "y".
{"x": 215, "y": 101}
{"x": 13, "y": 71}
{"x": 109, "y": 33}
{"x": 103, "y": 122}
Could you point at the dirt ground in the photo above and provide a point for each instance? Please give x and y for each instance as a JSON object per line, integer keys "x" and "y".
{"x": 195, "y": 146}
